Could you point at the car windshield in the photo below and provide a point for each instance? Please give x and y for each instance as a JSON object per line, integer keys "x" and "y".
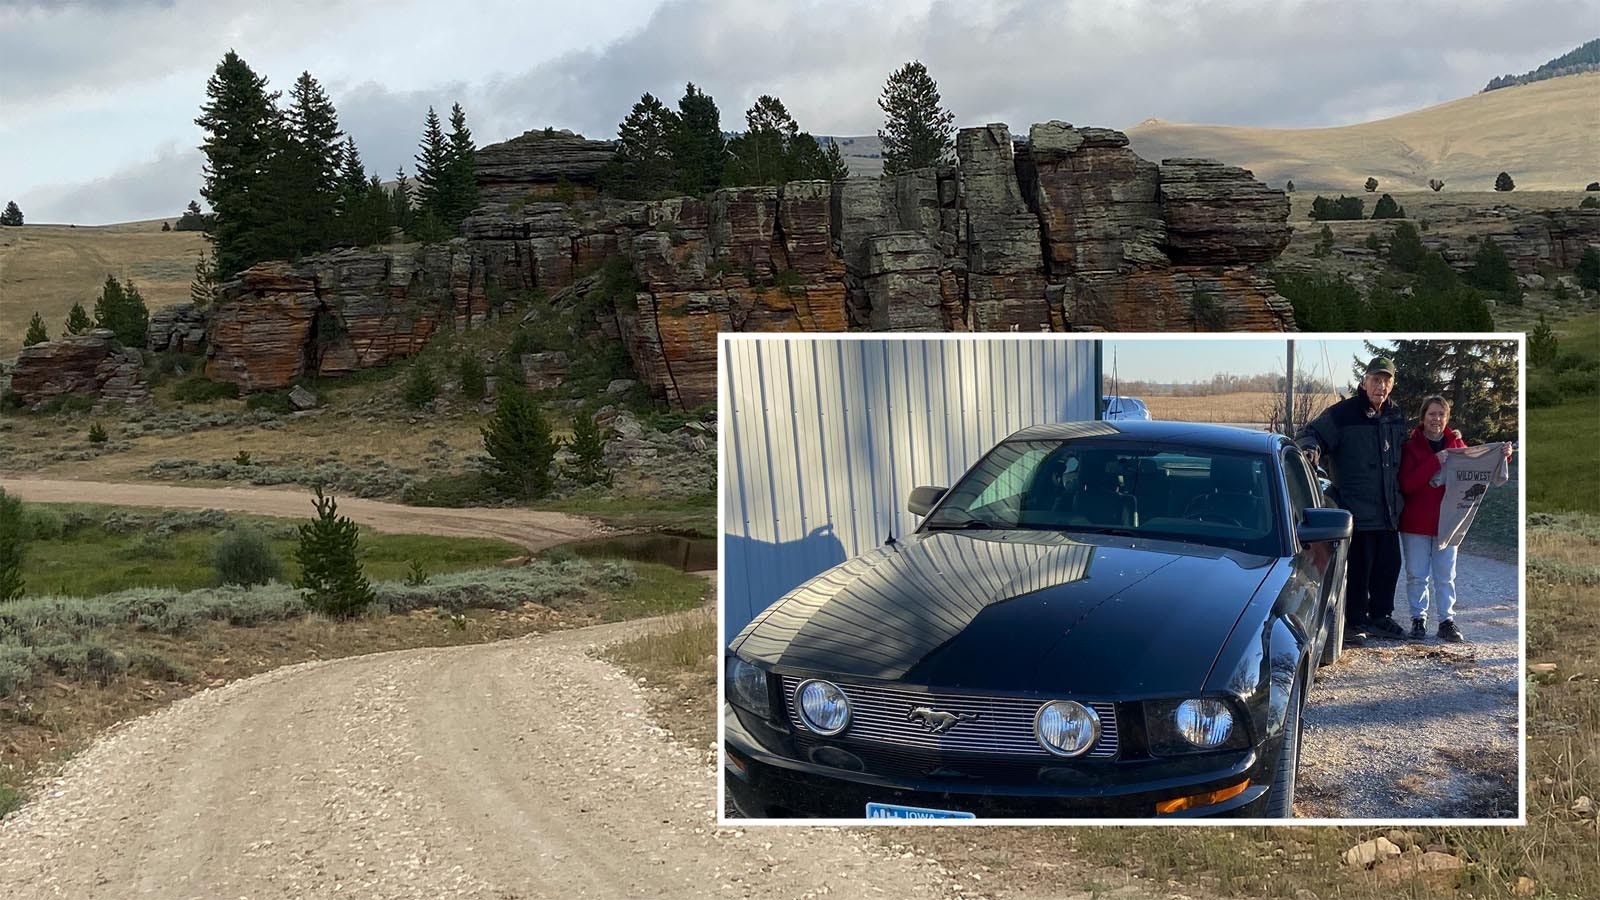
{"x": 1202, "y": 496}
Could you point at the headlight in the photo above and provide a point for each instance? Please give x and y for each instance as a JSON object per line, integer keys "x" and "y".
{"x": 1194, "y": 725}
{"x": 823, "y": 707}
{"x": 1066, "y": 728}
{"x": 747, "y": 687}
{"x": 1204, "y": 723}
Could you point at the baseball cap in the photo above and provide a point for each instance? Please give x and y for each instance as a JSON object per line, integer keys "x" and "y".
{"x": 1381, "y": 364}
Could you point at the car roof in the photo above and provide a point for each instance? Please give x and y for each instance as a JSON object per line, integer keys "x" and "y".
{"x": 1188, "y": 434}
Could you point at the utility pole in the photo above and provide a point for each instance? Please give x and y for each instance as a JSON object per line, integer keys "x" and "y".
{"x": 1288, "y": 395}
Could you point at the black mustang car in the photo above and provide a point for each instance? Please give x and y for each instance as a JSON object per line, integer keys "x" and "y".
{"x": 1098, "y": 620}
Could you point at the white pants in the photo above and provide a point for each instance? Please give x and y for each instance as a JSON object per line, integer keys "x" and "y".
{"x": 1430, "y": 573}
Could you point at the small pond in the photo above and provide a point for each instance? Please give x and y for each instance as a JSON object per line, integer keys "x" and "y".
{"x": 682, "y": 553}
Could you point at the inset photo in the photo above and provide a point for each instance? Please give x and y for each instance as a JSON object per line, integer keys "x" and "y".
{"x": 1036, "y": 579}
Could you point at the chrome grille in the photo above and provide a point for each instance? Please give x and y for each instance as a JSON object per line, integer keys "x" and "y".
{"x": 1004, "y": 725}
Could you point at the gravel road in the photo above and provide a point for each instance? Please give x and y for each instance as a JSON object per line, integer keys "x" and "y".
{"x": 533, "y": 529}
{"x": 520, "y": 769}
{"x": 1406, "y": 729}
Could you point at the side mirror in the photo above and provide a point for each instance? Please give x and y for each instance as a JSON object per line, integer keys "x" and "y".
{"x": 1324, "y": 525}
{"x": 923, "y": 499}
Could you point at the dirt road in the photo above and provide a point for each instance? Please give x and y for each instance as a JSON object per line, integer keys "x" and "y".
{"x": 532, "y": 529}
{"x": 519, "y": 769}
{"x": 1403, "y": 729}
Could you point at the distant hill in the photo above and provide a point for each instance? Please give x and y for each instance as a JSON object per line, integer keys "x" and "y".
{"x": 1584, "y": 59}
{"x": 1542, "y": 133}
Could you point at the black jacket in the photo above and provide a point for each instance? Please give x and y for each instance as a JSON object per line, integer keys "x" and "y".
{"x": 1361, "y": 453}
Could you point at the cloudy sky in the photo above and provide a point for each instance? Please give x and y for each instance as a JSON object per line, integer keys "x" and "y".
{"x": 99, "y": 96}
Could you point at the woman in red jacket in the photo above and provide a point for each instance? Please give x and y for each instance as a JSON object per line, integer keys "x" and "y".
{"x": 1422, "y": 486}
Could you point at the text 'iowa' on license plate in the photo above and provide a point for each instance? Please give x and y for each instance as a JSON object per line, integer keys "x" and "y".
{"x": 893, "y": 811}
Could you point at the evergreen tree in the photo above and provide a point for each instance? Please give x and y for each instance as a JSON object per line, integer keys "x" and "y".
{"x": 121, "y": 308}
{"x": 773, "y": 150}
{"x": 1387, "y": 208}
{"x": 400, "y": 201}
{"x": 433, "y": 164}
{"x": 78, "y": 320}
{"x": 330, "y": 568}
{"x": 203, "y": 287}
{"x": 588, "y": 451}
{"x": 1435, "y": 185}
{"x": 13, "y": 546}
{"x": 307, "y": 170}
{"x": 1492, "y": 271}
{"x": 1371, "y": 185}
{"x": 352, "y": 174}
{"x": 421, "y": 386}
{"x": 36, "y": 333}
{"x": 1588, "y": 269}
{"x": 192, "y": 219}
{"x": 699, "y": 150}
{"x": 462, "y": 196}
{"x": 644, "y": 167}
{"x": 1405, "y": 247}
{"x": 1543, "y": 345}
{"x": 1503, "y": 182}
{"x": 519, "y": 445}
{"x": 916, "y": 130}
{"x": 838, "y": 169}
{"x": 12, "y": 215}
{"x": 1288, "y": 186}
{"x": 243, "y": 130}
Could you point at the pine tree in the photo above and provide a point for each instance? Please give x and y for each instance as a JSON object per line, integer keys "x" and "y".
{"x": 462, "y": 196}
{"x": 1405, "y": 247}
{"x": 1479, "y": 378}
{"x": 1387, "y": 208}
{"x": 588, "y": 451}
{"x": 519, "y": 445}
{"x": 400, "y": 201}
{"x": 1492, "y": 271}
{"x": 330, "y": 568}
{"x": 12, "y": 215}
{"x": 1588, "y": 269}
{"x": 838, "y": 169}
{"x": 243, "y": 130}
{"x": 203, "y": 287}
{"x": 421, "y": 386}
{"x": 766, "y": 152}
{"x": 1435, "y": 185}
{"x": 1543, "y": 345}
{"x": 1288, "y": 186}
{"x": 699, "y": 151}
{"x": 121, "y": 308}
{"x": 433, "y": 165}
{"x": 78, "y": 320}
{"x": 308, "y": 171}
{"x": 1503, "y": 182}
{"x": 13, "y": 547}
{"x": 36, "y": 333}
{"x": 916, "y": 130}
{"x": 644, "y": 167}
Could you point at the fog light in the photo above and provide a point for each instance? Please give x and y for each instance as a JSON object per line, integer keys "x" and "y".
{"x": 1179, "y": 804}
{"x": 823, "y": 707}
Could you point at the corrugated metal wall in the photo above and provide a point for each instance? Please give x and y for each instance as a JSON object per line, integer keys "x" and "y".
{"x": 823, "y": 439}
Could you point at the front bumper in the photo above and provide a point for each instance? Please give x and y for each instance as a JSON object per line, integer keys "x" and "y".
{"x": 766, "y": 779}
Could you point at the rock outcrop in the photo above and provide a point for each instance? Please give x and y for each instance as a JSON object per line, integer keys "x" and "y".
{"x": 90, "y": 365}
{"x": 180, "y": 328}
{"x": 1068, "y": 230}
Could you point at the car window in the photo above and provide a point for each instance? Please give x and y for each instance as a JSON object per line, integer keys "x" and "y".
{"x": 1298, "y": 481}
{"x": 1212, "y": 497}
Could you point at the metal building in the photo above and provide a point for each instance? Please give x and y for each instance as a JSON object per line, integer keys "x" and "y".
{"x": 824, "y": 438}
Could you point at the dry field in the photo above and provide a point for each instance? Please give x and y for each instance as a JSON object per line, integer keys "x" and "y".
{"x": 1245, "y": 407}
{"x": 1542, "y": 134}
{"x": 47, "y": 268}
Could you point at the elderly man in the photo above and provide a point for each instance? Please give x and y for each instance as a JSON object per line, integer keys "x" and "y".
{"x": 1358, "y": 441}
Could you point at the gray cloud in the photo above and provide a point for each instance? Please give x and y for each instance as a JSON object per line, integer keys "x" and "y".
{"x": 155, "y": 188}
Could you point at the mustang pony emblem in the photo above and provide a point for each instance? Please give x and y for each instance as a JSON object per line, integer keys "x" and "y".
{"x": 937, "y": 720}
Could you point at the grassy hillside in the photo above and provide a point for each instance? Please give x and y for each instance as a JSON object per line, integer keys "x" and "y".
{"x": 47, "y": 268}
{"x": 1542, "y": 134}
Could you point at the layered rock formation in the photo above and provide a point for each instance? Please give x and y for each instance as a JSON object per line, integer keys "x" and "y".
{"x": 1068, "y": 230}
{"x": 180, "y": 329}
{"x": 92, "y": 365}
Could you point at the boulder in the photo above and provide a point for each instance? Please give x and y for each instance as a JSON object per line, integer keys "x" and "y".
{"x": 302, "y": 399}
{"x": 546, "y": 370}
{"x": 1369, "y": 853}
{"x": 91, "y": 365}
{"x": 180, "y": 328}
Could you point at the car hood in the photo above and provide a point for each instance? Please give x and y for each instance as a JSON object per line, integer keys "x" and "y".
{"x": 1015, "y": 611}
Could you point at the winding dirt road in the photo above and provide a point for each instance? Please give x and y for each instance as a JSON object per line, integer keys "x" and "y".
{"x": 533, "y": 529}
{"x": 519, "y": 769}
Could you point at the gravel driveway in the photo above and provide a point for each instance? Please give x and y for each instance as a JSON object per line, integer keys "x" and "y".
{"x": 520, "y": 769}
{"x": 1405, "y": 729}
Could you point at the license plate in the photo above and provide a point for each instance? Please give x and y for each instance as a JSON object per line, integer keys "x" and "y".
{"x": 893, "y": 811}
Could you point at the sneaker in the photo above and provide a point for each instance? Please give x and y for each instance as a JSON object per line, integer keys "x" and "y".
{"x": 1355, "y": 635}
{"x": 1419, "y": 629}
{"x": 1387, "y": 627}
{"x": 1449, "y": 632}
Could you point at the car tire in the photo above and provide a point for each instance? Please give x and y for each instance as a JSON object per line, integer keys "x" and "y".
{"x": 1333, "y": 646}
{"x": 1280, "y": 797}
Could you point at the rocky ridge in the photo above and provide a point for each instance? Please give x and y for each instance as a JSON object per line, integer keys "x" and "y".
{"x": 91, "y": 364}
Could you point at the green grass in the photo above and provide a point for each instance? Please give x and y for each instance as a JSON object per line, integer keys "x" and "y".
{"x": 1496, "y": 526}
{"x": 1562, "y": 451}
{"x": 657, "y": 590}
{"x": 689, "y": 516}
{"x": 87, "y": 561}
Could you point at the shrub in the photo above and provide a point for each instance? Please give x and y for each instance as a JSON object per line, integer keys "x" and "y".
{"x": 455, "y": 491}
{"x": 1405, "y": 248}
{"x": 330, "y": 570}
{"x": 1374, "y": 242}
{"x": 421, "y": 387}
{"x": 1543, "y": 345}
{"x": 588, "y": 451}
{"x": 271, "y": 401}
{"x": 473, "y": 384}
{"x": 200, "y": 389}
{"x": 242, "y": 458}
{"x": 1343, "y": 209}
{"x": 416, "y": 576}
{"x": 1503, "y": 182}
{"x": 41, "y": 523}
{"x": 13, "y": 546}
{"x": 1588, "y": 270}
{"x": 97, "y": 434}
{"x": 1435, "y": 184}
{"x": 1387, "y": 208}
{"x": 36, "y": 333}
{"x": 1589, "y": 203}
{"x": 1592, "y": 186}
{"x": 1371, "y": 185}
{"x": 1492, "y": 271}
{"x": 243, "y": 556}
{"x": 518, "y": 442}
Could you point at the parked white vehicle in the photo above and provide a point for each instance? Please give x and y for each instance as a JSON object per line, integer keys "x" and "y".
{"x": 1115, "y": 409}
